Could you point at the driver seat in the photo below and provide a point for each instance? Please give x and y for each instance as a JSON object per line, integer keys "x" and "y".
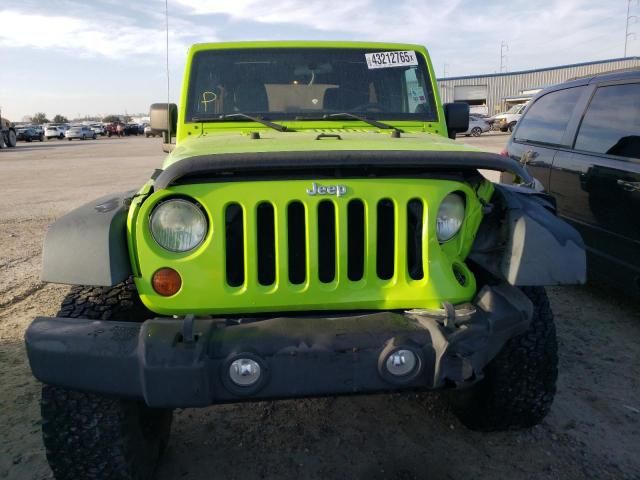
{"x": 250, "y": 97}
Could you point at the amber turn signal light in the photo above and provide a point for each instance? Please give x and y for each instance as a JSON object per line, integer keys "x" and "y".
{"x": 166, "y": 282}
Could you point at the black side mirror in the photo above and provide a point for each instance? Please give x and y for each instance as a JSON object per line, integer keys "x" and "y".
{"x": 457, "y": 118}
{"x": 164, "y": 118}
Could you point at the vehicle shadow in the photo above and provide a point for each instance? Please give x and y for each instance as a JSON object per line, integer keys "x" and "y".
{"x": 398, "y": 436}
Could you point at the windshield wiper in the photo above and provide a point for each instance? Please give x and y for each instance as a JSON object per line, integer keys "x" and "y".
{"x": 235, "y": 116}
{"x": 353, "y": 116}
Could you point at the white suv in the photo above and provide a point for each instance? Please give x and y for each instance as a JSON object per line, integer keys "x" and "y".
{"x": 54, "y": 131}
{"x": 507, "y": 120}
{"x": 99, "y": 129}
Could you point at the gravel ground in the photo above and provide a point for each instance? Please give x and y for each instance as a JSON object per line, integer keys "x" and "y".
{"x": 593, "y": 430}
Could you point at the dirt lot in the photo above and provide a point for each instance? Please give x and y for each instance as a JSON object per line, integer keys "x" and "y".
{"x": 593, "y": 430}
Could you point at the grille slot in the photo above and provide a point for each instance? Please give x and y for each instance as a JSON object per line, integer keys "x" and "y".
{"x": 326, "y": 241}
{"x": 234, "y": 244}
{"x": 386, "y": 239}
{"x": 415, "y": 220}
{"x": 266, "y": 244}
{"x": 296, "y": 241}
{"x": 355, "y": 240}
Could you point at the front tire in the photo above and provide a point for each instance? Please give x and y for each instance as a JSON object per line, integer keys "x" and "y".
{"x": 520, "y": 382}
{"x": 89, "y": 436}
{"x": 95, "y": 437}
{"x": 476, "y": 131}
{"x": 13, "y": 140}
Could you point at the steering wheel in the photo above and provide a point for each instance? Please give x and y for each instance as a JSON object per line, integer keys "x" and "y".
{"x": 369, "y": 106}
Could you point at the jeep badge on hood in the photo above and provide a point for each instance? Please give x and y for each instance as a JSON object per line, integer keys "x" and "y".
{"x": 337, "y": 190}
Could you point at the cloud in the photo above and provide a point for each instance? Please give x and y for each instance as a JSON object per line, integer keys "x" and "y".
{"x": 111, "y": 37}
{"x": 464, "y": 35}
{"x": 390, "y": 21}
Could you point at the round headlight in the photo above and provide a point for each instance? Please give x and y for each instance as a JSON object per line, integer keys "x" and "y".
{"x": 178, "y": 225}
{"x": 450, "y": 217}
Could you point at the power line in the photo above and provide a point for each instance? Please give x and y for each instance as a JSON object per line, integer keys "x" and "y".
{"x": 504, "y": 48}
{"x": 628, "y": 34}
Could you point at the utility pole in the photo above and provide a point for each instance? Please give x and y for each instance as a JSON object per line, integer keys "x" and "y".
{"x": 444, "y": 70}
{"x": 504, "y": 48}
{"x": 628, "y": 34}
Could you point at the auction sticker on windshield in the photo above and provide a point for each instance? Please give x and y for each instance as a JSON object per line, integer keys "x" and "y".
{"x": 391, "y": 59}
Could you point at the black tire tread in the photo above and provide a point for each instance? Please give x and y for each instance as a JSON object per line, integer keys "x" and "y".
{"x": 95, "y": 437}
{"x": 120, "y": 302}
{"x": 520, "y": 382}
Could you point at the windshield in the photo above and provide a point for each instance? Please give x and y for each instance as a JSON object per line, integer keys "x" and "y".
{"x": 515, "y": 108}
{"x": 308, "y": 83}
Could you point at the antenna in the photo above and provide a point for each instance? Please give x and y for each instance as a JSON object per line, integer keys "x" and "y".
{"x": 166, "y": 14}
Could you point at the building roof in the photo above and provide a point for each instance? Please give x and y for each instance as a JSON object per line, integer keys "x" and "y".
{"x": 520, "y": 72}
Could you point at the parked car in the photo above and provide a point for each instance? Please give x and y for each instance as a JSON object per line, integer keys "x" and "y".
{"x": 81, "y": 132}
{"x": 28, "y": 134}
{"x": 111, "y": 129}
{"x": 506, "y": 121}
{"x": 132, "y": 129}
{"x": 99, "y": 129}
{"x": 149, "y": 132}
{"x": 581, "y": 140}
{"x": 38, "y": 128}
{"x": 477, "y": 126}
{"x": 54, "y": 131}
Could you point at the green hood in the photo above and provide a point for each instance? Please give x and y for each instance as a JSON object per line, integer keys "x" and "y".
{"x": 213, "y": 142}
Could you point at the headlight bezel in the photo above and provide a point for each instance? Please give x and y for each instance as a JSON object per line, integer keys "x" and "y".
{"x": 463, "y": 204}
{"x": 197, "y": 207}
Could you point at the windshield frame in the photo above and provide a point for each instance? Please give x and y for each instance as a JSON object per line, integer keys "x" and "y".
{"x": 191, "y": 116}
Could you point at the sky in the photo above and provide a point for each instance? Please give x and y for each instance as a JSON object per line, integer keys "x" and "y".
{"x": 97, "y": 57}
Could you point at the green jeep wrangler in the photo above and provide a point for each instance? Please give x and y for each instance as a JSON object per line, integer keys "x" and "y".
{"x": 313, "y": 231}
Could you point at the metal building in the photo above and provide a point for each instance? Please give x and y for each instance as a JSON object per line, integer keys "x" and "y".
{"x": 494, "y": 93}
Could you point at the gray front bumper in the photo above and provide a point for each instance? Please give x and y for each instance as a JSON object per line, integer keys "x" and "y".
{"x": 172, "y": 362}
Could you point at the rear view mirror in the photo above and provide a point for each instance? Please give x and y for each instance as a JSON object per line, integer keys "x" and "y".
{"x": 163, "y": 118}
{"x": 457, "y": 118}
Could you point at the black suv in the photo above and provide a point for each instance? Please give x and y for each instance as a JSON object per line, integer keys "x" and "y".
{"x": 581, "y": 140}
{"x": 28, "y": 134}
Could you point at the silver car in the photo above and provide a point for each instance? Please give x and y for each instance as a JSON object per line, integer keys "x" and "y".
{"x": 477, "y": 126}
{"x": 81, "y": 132}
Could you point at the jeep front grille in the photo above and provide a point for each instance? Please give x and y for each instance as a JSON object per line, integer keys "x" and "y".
{"x": 315, "y": 248}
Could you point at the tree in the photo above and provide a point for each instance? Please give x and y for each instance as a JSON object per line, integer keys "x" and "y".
{"x": 111, "y": 118}
{"x": 40, "y": 118}
{"x": 60, "y": 119}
